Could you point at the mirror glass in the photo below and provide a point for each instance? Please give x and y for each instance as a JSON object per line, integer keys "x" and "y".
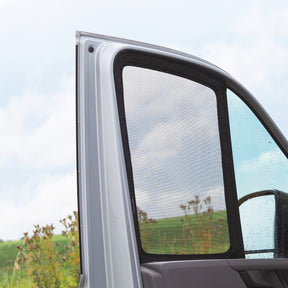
{"x": 258, "y": 223}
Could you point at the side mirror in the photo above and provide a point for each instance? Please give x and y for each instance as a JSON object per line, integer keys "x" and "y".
{"x": 271, "y": 207}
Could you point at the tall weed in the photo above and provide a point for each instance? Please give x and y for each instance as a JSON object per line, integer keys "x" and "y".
{"x": 45, "y": 262}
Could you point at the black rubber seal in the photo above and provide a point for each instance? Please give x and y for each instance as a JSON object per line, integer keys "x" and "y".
{"x": 77, "y": 154}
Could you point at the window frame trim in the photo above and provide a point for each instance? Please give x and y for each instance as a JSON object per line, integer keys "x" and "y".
{"x": 213, "y": 80}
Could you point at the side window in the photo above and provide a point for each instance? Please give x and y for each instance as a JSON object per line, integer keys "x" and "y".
{"x": 173, "y": 134}
{"x": 261, "y": 172}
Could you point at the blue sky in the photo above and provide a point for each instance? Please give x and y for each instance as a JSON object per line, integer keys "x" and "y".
{"x": 249, "y": 39}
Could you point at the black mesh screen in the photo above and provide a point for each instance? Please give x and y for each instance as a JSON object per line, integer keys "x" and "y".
{"x": 173, "y": 135}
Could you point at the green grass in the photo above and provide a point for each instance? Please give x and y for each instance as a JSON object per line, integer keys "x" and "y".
{"x": 165, "y": 236}
{"x": 8, "y": 250}
{"x": 18, "y": 278}
{"x": 170, "y": 235}
{"x": 8, "y": 253}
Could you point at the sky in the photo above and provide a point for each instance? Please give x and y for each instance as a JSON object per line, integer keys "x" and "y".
{"x": 174, "y": 141}
{"x": 248, "y": 39}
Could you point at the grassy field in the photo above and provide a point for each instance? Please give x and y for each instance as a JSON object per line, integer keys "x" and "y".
{"x": 11, "y": 277}
{"x": 8, "y": 250}
{"x": 201, "y": 233}
{"x": 186, "y": 235}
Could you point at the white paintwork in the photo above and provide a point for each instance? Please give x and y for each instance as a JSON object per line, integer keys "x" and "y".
{"x": 109, "y": 250}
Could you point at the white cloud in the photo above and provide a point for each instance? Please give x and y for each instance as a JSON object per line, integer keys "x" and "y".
{"x": 174, "y": 141}
{"x": 169, "y": 139}
{"x": 252, "y": 65}
{"x": 165, "y": 112}
{"x": 261, "y": 24}
{"x": 38, "y": 136}
{"x": 157, "y": 145}
{"x": 267, "y": 171}
{"x": 258, "y": 57}
{"x": 167, "y": 204}
{"x": 142, "y": 198}
{"x": 39, "y": 130}
{"x": 22, "y": 15}
{"x": 217, "y": 197}
{"x": 162, "y": 204}
{"x": 53, "y": 199}
{"x": 271, "y": 159}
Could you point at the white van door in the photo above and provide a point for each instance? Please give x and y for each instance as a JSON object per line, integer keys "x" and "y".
{"x": 182, "y": 176}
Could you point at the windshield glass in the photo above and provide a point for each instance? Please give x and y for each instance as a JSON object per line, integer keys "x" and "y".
{"x": 261, "y": 172}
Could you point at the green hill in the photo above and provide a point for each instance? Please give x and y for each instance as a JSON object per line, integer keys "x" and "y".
{"x": 19, "y": 278}
{"x": 8, "y": 250}
{"x": 187, "y": 235}
{"x": 203, "y": 233}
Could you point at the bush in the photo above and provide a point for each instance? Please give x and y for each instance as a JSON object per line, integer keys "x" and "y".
{"x": 43, "y": 260}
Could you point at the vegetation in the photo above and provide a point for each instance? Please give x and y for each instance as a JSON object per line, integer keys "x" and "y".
{"x": 45, "y": 260}
{"x": 201, "y": 230}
